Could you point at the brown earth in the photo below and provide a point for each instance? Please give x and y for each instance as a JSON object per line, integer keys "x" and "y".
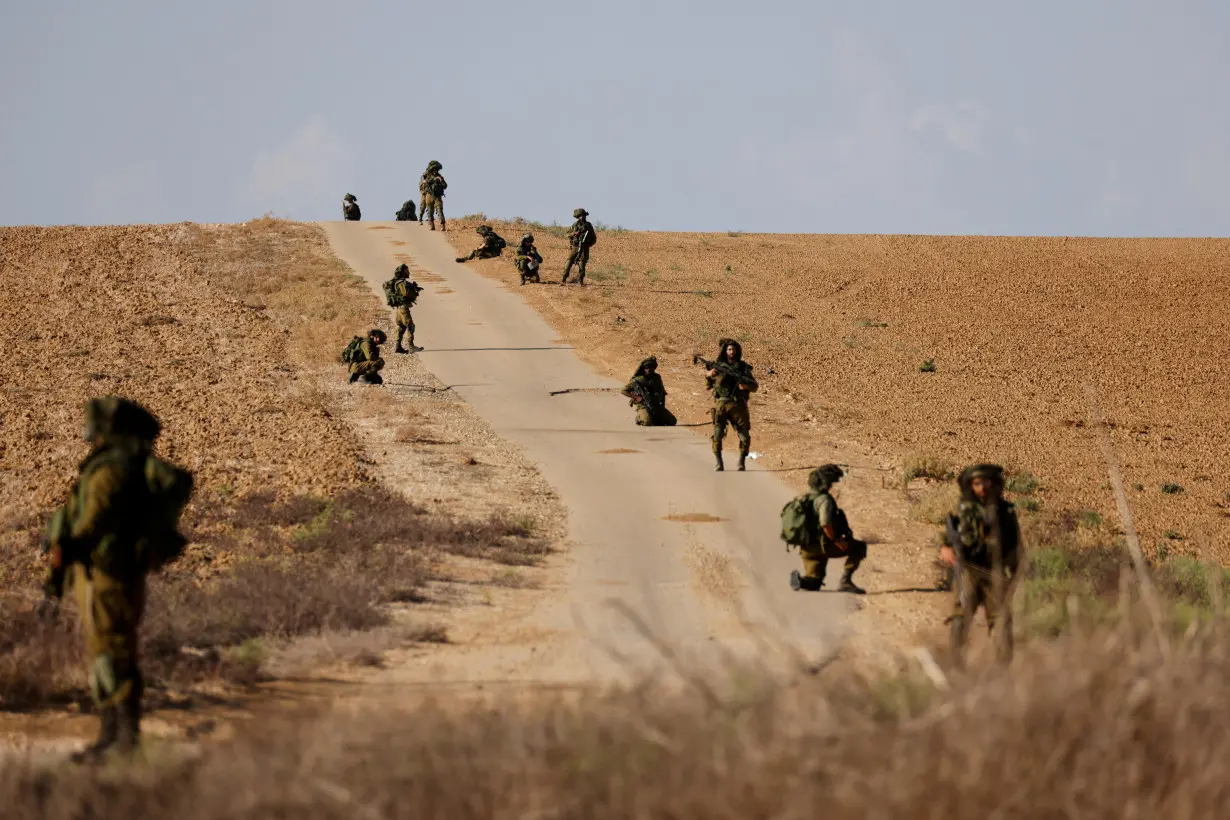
{"x": 837, "y": 328}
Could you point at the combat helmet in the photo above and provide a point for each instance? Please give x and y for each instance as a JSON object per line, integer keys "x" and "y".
{"x": 652, "y": 361}
{"x": 992, "y": 471}
{"x": 529, "y": 237}
{"x": 824, "y": 476}
{"x": 402, "y": 271}
{"x": 378, "y": 335}
{"x": 580, "y": 212}
{"x": 350, "y": 198}
{"x": 434, "y": 165}
{"x": 483, "y": 229}
{"x": 112, "y": 417}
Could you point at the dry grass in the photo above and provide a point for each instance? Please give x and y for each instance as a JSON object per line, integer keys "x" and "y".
{"x": 1094, "y": 725}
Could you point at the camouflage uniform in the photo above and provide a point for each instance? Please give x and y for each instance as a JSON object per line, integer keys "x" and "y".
{"x": 93, "y": 546}
{"x": 409, "y": 292}
{"x": 350, "y": 208}
{"x": 730, "y": 405}
{"x": 646, "y": 381}
{"x": 989, "y": 548}
{"x": 406, "y": 213}
{"x": 816, "y": 555}
{"x": 581, "y": 238}
{"x": 368, "y": 364}
{"x": 431, "y": 195}
{"x": 493, "y": 245}
{"x": 528, "y": 260}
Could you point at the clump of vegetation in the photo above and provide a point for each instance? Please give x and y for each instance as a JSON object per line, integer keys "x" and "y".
{"x": 1172, "y": 489}
{"x": 1022, "y": 483}
{"x": 928, "y": 366}
{"x": 926, "y": 466}
{"x": 871, "y": 323}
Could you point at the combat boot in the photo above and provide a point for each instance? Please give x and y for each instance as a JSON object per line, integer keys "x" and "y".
{"x": 108, "y": 729}
{"x": 413, "y": 347}
{"x": 443, "y": 224}
{"x": 354, "y": 377}
{"x": 720, "y": 466}
{"x": 400, "y": 349}
{"x": 433, "y": 224}
{"x": 128, "y": 727}
{"x": 374, "y": 378}
{"x": 742, "y": 461}
{"x": 848, "y": 585}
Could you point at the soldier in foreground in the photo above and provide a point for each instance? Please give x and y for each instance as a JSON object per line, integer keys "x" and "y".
{"x": 983, "y": 545}
{"x": 730, "y": 378}
{"x": 647, "y": 394}
{"x": 528, "y": 259}
{"x": 581, "y": 237}
{"x": 119, "y": 524}
{"x": 818, "y": 527}
{"x": 493, "y": 245}
{"x": 400, "y": 294}
{"x": 431, "y": 195}
{"x": 363, "y": 356}
{"x": 350, "y": 208}
{"x": 406, "y": 212}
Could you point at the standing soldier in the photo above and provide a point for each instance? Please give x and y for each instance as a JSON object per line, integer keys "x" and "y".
{"x": 581, "y": 238}
{"x": 493, "y": 245}
{"x": 827, "y": 534}
{"x": 648, "y": 395}
{"x": 528, "y": 259}
{"x": 120, "y": 523}
{"x": 363, "y": 356}
{"x": 431, "y": 191}
{"x": 401, "y": 294}
{"x": 730, "y": 378}
{"x": 983, "y": 544}
{"x": 350, "y": 208}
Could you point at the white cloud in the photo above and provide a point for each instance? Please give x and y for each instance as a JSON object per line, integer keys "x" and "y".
{"x": 126, "y": 195}
{"x": 311, "y": 167}
{"x": 962, "y": 124}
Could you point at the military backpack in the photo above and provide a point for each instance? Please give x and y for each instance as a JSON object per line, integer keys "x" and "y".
{"x": 170, "y": 488}
{"x": 391, "y": 296}
{"x": 799, "y": 525}
{"x": 352, "y": 350}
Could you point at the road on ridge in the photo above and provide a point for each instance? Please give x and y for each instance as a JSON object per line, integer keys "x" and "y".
{"x": 653, "y": 529}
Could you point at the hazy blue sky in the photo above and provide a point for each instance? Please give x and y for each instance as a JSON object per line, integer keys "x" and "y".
{"x": 946, "y": 116}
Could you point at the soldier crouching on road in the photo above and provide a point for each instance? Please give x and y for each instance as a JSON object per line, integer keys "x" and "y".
{"x": 825, "y": 533}
{"x": 983, "y": 544}
{"x": 528, "y": 260}
{"x": 363, "y": 356}
{"x": 119, "y": 523}
{"x": 648, "y": 395}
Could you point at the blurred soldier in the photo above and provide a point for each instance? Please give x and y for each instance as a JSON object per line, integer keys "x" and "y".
{"x": 581, "y": 237}
{"x": 431, "y": 195}
{"x": 648, "y": 395}
{"x": 406, "y": 213}
{"x": 120, "y": 523}
{"x": 527, "y": 259}
{"x": 983, "y": 544}
{"x": 350, "y": 208}
{"x": 730, "y": 378}
{"x": 829, "y": 536}
{"x": 493, "y": 245}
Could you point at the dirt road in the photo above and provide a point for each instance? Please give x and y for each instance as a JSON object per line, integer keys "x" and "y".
{"x": 654, "y": 531}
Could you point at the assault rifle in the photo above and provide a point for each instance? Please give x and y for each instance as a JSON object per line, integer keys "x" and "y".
{"x": 640, "y": 395}
{"x": 724, "y": 369}
{"x": 952, "y": 538}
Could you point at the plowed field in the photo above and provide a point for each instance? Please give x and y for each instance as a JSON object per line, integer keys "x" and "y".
{"x": 1014, "y": 326}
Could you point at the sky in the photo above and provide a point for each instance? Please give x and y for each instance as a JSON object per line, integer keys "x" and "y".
{"x": 1049, "y": 117}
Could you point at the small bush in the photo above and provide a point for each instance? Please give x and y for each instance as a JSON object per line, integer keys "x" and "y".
{"x": 928, "y": 366}
{"x": 1172, "y": 489}
{"x": 926, "y": 466}
{"x": 1022, "y": 483}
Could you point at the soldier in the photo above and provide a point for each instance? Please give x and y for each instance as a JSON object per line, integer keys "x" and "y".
{"x": 350, "y": 208}
{"x": 431, "y": 191}
{"x": 732, "y": 382}
{"x": 983, "y": 544}
{"x": 406, "y": 213}
{"x": 118, "y": 524}
{"x": 493, "y": 245}
{"x": 581, "y": 238}
{"x": 832, "y": 537}
{"x": 528, "y": 259}
{"x": 403, "y": 293}
{"x": 648, "y": 395}
{"x": 366, "y": 363}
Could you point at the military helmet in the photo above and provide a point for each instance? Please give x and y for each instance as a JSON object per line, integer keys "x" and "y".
{"x": 529, "y": 237}
{"x": 992, "y": 471}
{"x": 434, "y": 165}
{"x": 350, "y": 198}
{"x": 112, "y": 416}
{"x": 580, "y": 212}
{"x": 824, "y": 476}
{"x": 402, "y": 270}
{"x": 483, "y": 229}
{"x": 378, "y": 335}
